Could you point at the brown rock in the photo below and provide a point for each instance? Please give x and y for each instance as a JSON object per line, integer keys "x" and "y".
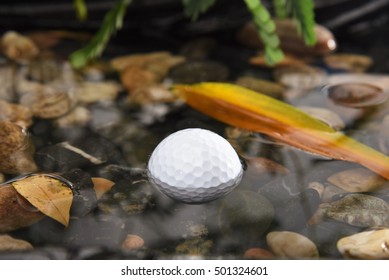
{"x": 133, "y": 242}
{"x": 368, "y": 245}
{"x": 291, "y": 245}
{"x": 291, "y": 40}
{"x": 8, "y": 243}
{"x": 92, "y": 92}
{"x": 15, "y": 113}
{"x": 349, "y": 62}
{"x": 16, "y": 150}
{"x": 258, "y": 254}
{"x": 15, "y": 211}
{"x": 18, "y": 47}
{"x": 357, "y": 180}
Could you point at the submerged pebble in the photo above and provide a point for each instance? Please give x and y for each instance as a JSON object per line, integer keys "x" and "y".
{"x": 15, "y": 113}
{"x": 357, "y": 180}
{"x": 8, "y": 243}
{"x": 263, "y": 86}
{"x": 16, "y": 149}
{"x": 18, "y": 47}
{"x": 257, "y": 254}
{"x": 359, "y": 210}
{"x": 133, "y": 242}
{"x": 291, "y": 245}
{"x": 357, "y": 94}
{"x": 348, "y": 62}
{"x": 368, "y": 245}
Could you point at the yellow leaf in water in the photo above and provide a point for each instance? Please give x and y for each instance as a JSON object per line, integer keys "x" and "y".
{"x": 240, "y": 107}
{"x": 51, "y": 196}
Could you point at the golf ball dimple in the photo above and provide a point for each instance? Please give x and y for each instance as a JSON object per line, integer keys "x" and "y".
{"x": 195, "y": 166}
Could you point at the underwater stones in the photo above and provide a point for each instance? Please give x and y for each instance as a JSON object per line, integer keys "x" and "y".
{"x": 383, "y": 135}
{"x": 15, "y": 113}
{"x": 91, "y": 92}
{"x": 78, "y": 116}
{"x": 191, "y": 72}
{"x": 7, "y": 76}
{"x": 290, "y": 39}
{"x": 16, "y": 149}
{"x": 356, "y": 94}
{"x": 302, "y": 77}
{"x": 15, "y": 211}
{"x": 291, "y": 245}
{"x": 18, "y": 47}
{"x": 245, "y": 210}
{"x": 132, "y": 242}
{"x": 195, "y": 246}
{"x": 359, "y": 210}
{"x": 256, "y": 253}
{"x": 357, "y": 180}
{"x": 8, "y": 243}
{"x": 144, "y": 70}
{"x": 368, "y": 245}
{"x": 348, "y": 62}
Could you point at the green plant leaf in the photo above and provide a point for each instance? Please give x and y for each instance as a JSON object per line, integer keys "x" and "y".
{"x": 112, "y": 22}
{"x": 81, "y": 9}
{"x": 281, "y": 8}
{"x": 303, "y": 11}
{"x": 193, "y": 8}
{"x": 244, "y": 108}
{"x": 266, "y": 30}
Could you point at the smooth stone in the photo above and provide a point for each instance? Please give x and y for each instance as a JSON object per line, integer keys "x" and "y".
{"x": 79, "y": 116}
{"x": 359, "y": 210}
{"x": 8, "y": 243}
{"x": 325, "y": 115}
{"x": 348, "y": 62}
{"x": 92, "y": 92}
{"x": 368, "y": 245}
{"x": 133, "y": 242}
{"x": 357, "y": 180}
{"x": 291, "y": 245}
{"x": 16, "y": 149}
{"x": 282, "y": 189}
{"x": 15, "y": 113}
{"x": 301, "y": 77}
{"x": 192, "y": 72}
{"x": 18, "y": 47}
{"x": 245, "y": 212}
{"x": 15, "y": 211}
{"x": 291, "y": 41}
{"x": 257, "y": 254}
{"x": 357, "y": 94}
{"x": 295, "y": 213}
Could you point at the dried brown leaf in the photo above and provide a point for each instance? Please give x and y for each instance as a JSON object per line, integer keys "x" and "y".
{"x": 51, "y": 196}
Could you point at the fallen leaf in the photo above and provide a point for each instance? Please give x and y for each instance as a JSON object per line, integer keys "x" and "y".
{"x": 240, "y": 107}
{"x": 51, "y": 196}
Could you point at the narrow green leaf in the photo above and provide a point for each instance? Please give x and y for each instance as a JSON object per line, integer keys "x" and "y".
{"x": 281, "y": 8}
{"x": 266, "y": 30}
{"x": 81, "y": 9}
{"x": 303, "y": 11}
{"x": 193, "y": 8}
{"x": 112, "y": 22}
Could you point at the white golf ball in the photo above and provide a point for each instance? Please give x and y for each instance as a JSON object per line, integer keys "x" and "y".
{"x": 195, "y": 166}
